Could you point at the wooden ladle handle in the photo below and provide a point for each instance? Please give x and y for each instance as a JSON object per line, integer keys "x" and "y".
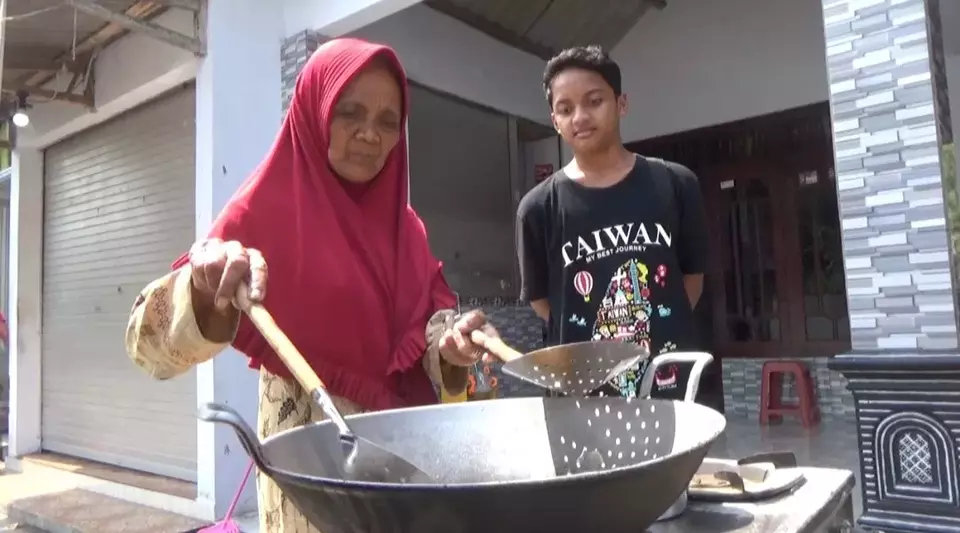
{"x": 495, "y": 346}
{"x": 284, "y": 349}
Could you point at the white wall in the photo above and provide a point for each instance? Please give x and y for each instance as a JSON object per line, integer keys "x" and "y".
{"x": 238, "y": 115}
{"x": 337, "y": 17}
{"x": 129, "y": 72}
{"x": 26, "y": 238}
{"x": 452, "y": 57}
{"x": 699, "y": 63}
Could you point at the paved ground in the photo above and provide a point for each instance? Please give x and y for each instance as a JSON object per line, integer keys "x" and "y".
{"x": 51, "y": 500}
{"x": 7, "y": 525}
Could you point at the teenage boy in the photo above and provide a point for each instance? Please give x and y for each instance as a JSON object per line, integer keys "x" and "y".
{"x": 614, "y": 245}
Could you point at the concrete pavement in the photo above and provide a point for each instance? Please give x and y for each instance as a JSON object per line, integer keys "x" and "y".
{"x": 10, "y": 526}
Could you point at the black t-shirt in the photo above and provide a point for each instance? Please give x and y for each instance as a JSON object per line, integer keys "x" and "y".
{"x": 611, "y": 261}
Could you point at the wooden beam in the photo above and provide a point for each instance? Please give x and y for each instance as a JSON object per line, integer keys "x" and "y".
{"x": 42, "y": 59}
{"x": 85, "y": 100}
{"x": 192, "y": 5}
{"x": 111, "y": 32}
{"x": 100, "y": 39}
{"x": 92, "y": 8}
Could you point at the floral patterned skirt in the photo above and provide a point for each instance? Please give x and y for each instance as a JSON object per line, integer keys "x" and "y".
{"x": 285, "y": 405}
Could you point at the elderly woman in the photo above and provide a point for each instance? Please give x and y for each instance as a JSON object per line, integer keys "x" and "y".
{"x": 352, "y": 280}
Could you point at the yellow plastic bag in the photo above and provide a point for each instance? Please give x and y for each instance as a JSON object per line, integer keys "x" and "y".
{"x": 446, "y": 397}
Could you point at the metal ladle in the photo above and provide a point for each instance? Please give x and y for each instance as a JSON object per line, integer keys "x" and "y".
{"x": 362, "y": 460}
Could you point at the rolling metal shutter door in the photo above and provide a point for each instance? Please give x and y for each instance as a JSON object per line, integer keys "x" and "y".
{"x": 118, "y": 208}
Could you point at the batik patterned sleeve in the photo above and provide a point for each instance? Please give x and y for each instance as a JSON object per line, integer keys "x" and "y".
{"x": 163, "y": 337}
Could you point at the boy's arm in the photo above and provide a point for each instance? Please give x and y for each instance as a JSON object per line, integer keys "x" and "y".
{"x": 694, "y": 246}
{"x": 541, "y": 308}
{"x": 532, "y": 257}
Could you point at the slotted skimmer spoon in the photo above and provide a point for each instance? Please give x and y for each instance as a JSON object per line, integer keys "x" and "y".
{"x": 575, "y": 369}
{"x": 362, "y": 459}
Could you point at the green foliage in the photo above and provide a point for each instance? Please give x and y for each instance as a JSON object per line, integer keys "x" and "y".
{"x": 948, "y": 167}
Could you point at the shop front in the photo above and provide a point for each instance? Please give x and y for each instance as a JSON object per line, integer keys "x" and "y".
{"x": 821, "y": 133}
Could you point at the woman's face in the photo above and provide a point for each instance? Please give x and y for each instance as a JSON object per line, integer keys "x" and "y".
{"x": 366, "y": 124}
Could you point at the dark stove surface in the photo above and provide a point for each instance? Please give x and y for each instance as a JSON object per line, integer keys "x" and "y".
{"x": 823, "y": 498}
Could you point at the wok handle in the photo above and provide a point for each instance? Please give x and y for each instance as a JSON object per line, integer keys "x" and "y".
{"x": 221, "y": 414}
{"x": 700, "y": 360}
{"x": 292, "y": 358}
{"x": 495, "y": 346}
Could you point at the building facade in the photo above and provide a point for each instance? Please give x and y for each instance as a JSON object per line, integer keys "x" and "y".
{"x": 101, "y": 203}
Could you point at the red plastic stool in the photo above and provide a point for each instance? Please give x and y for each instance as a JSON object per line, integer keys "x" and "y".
{"x": 771, "y": 393}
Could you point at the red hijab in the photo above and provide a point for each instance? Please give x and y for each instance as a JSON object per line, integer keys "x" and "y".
{"x": 352, "y": 279}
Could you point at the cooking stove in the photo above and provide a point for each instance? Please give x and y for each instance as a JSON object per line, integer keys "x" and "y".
{"x": 822, "y": 503}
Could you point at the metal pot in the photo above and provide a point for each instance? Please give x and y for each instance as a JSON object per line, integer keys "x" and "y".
{"x": 511, "y": 466}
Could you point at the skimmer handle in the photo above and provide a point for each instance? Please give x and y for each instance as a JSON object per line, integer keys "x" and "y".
{"x": 495, "y": 346}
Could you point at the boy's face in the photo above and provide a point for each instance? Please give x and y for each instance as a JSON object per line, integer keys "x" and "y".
{"x": 585, "y": 111}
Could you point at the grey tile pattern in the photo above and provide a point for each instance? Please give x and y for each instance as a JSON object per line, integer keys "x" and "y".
{"x": 888, "y": 175}
{"x": 294, "y": 53}
{"x": 519, "y": 327}
{"x": 741, "y": 389}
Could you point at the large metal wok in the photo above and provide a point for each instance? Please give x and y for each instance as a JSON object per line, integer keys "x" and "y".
{"x": 609, "y": 465}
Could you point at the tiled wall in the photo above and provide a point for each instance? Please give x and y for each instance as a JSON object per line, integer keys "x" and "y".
{"x": 741, "y": 389}
{"x": 519, "y": 327}
{"x": 888, "y": 176}
{"x": 293, "y": 56}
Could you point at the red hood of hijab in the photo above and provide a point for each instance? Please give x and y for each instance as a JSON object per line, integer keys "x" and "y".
{"x": 352, "y": 279}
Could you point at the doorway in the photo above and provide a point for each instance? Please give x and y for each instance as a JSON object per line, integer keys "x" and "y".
{"x": 460, "y": 150}
{"x": 775, "y": 287}
{"x": 778, "y": 288}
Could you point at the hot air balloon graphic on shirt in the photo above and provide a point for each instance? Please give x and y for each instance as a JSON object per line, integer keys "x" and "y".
{"x": 583, "y": 282}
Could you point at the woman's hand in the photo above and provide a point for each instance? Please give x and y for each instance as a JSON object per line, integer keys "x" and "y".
{"x": 457, "y": 349}
{"x": 218, "y": 268}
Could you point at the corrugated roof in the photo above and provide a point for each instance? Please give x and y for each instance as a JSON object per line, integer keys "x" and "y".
{"x": 44, "y": 37}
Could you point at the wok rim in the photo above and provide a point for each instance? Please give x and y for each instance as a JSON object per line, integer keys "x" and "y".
{"x": 561, "y": 481}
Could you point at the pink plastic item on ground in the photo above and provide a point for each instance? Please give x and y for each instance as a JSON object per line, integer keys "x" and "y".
{"x": 227, "y": 525}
